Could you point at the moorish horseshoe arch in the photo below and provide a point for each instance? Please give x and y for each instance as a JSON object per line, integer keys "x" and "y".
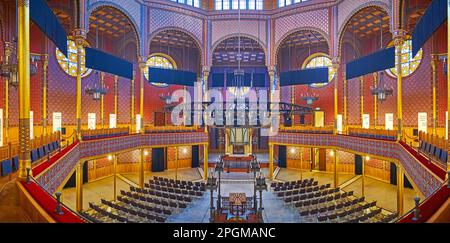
{"x": 99, "y": 5}
{"x": 197, "y": 42}
{"x": 377, "y": 4}
{"x": 214, "y": 46}
{"x": 285, "y": 36}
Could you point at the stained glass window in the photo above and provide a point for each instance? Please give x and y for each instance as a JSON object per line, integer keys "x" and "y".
{"x": 321, "y": 60}
{"x": 159, "y": 61}
{"x": 69, "y": 64}
{"x": 409, "y": 63}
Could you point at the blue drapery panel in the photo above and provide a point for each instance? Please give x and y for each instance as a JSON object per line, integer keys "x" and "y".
{"x": 434, "y": 17}
{"x": 195, "y": 156}
{"x": 101, "y": 61}
{"x": 256, "y": 80}
{"x": 48, "y": 23}
{"x": 218, "y": 80}
{"x": 304, "y": 76}
{"x": 157, "y": 159}
{"x": 282, "y": 154}
{"x": 6, "y": 167}
{"x": 171, "y": 76}
{"x": 378, "y": 61}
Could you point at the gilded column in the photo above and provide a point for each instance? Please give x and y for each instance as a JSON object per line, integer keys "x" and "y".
{"x": 115, "y": 176}
{"x": 400, "y": 187}
{"x": 116, "y": 97}
{"x": 102, "y": 101}
{"x": 80, "y": 37}
{"x": 8, "y": 52}
{"x": 141, "y": 169}
{"x": 448, "y": 81}
{"x": 375, "y": 101}
{"x": 44, "y": 95}
{"x": 363, "y": 176}
{"x": 79, "y": 185}
{"x": 292, "y": 102}
{"x": 434, "y": 78}
{"x": 271, "y": 165}
{"x": 23, "y": 56}
{"x": 399, "y": 39}
{"x": 361, "y": 95}
{"x": 142, "y": 67}
{"x": 336, "y": 163}
{"x": 336, "y": 85}
{"x": 132, "y": 103}
{"x": 345, "y": 116}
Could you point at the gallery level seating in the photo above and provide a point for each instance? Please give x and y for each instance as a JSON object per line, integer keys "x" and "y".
{"x": 434, "y": 147}
{"x": 104, "y": 133}
{"x": 308, "y": 130}
{"x": 41, "y": 147}
{"x": 159, "y": 199}
{"x": 373, "y": 133}
{"x": 170, "y": 129}
{"x": 328, "y": 205}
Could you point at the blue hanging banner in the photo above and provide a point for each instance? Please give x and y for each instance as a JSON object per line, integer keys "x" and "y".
{"x": 171, "y": 76}
{"x": 375, "y": 62}
{"x": 304, "y": 76}
{"x": 101, "y": 61}
{"x": 434, "y": 17}
{"x": 48, "y": 23}
{"x": 218, "y": 80}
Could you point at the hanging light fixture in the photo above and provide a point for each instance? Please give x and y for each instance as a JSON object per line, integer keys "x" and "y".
{"x": 239, "y": 89}
{"x": 10, "y": 70}
{"x": 381, "y": 91}
{"x": 309, "y": 96}
{"x": 98, "y": 89}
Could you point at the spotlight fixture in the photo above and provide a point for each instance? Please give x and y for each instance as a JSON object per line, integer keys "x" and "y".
{"x": 110, "y": 157}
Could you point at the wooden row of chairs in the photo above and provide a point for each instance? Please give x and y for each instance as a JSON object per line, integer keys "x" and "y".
{"x": 373, "y": 133}
{"x": 104, "y": 133}
{"x": 170, "y": 129}
{"x": 434, "y": 147}
{"x": 308, "y": 129}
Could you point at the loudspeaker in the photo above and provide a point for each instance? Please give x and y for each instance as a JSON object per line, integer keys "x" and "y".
{"x": 63, "y": 131}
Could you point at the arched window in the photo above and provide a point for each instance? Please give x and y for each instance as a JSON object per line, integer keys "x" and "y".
{"x": 69, "y": 63}
{"x": 160, "y": 60}
{"x": 409, "y": 63}
{"x": 320, "y": 60}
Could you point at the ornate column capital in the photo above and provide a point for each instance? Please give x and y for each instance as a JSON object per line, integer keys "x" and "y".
{"x": 79, "y": 36}
{"x": 399, "y": 37}
{"x": 9, "y": 47}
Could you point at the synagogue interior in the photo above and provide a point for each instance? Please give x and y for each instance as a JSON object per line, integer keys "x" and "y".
{"x": 224, "y": 111}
